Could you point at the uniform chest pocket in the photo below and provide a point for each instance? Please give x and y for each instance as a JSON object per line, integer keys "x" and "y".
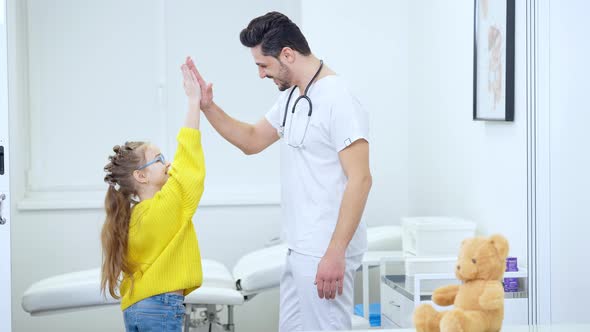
{"x": 305, "y": 129}
{"x": 317, "y": 134}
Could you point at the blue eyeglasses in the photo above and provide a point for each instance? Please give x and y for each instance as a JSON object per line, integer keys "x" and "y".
{"x": 159, "y": 158}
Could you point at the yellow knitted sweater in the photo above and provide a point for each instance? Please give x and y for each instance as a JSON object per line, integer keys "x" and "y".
{"x": 162, "y": 242}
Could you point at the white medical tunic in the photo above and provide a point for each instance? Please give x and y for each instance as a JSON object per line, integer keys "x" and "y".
{"x": 312, "y": 178}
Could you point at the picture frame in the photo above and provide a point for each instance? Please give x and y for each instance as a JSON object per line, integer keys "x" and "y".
{"x": 493, "y": 60}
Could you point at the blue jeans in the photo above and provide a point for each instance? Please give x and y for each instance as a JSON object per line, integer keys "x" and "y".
{"x": 163, "y": 312}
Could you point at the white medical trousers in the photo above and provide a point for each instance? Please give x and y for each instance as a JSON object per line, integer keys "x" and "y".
{"x": 301, "y": 309}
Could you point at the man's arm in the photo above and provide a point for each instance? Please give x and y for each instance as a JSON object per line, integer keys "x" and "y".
{"x": 249, "y": 138}
{"x": 355, "y": 162}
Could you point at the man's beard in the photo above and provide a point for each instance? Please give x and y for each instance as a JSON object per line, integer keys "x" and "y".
{"x": 284, "y": 78}
{"x": 283, "y": 86}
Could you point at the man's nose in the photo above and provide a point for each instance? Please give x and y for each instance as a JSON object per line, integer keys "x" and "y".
{"x": 261, "y": 73}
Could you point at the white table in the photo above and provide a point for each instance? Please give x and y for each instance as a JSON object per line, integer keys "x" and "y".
{"x": 521, "y": 328}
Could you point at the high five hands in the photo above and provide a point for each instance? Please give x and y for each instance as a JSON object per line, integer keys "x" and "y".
{"x": 206, "y": 88}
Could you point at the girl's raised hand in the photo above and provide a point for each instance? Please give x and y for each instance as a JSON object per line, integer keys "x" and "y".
{"x": 191, "y": 86}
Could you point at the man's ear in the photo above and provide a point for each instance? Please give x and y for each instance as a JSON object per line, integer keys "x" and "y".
{"x": 140, "y": 176}
{"x": 287, "y": 55}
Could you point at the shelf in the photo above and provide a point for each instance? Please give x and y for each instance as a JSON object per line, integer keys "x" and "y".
{"x": 404, "y": 285}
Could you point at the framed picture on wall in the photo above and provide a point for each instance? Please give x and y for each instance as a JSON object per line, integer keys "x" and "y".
{"x": 493, "y": 60}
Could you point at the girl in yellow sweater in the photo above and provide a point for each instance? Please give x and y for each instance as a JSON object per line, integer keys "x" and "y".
{"x": 148, "y": 237}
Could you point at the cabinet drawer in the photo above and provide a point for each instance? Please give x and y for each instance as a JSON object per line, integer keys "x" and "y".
{"x": 396, "y": 307}
{"x": 386, "y": 323}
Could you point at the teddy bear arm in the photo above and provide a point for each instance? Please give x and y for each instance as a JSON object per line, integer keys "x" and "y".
{"x": 492, "y": 296}
{"x": 445, "y": 295}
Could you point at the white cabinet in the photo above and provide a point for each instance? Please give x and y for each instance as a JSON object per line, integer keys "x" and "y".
{"x": 400, "y": 294}
{"x": 396, "y": 306}
{"x": 387, "y": 323}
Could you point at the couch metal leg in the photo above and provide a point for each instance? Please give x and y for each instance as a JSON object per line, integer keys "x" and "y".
{"x": 230, "y": 319}
{"x": 187, "y": 317}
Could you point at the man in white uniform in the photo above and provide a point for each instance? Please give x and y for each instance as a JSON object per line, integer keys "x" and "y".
{"x": 325, "y": 176}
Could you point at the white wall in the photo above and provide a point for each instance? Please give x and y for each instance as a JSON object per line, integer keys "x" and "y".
{"x": 366, "y": 43}
{"x": 410, "y": 65}
{"x": 5, "y": 197}
{"x": 570, "y": 161}
{"x": 55, "y": 241}
{"x": 101, "y": 76}
{"x": 65, "y": 239}
{"x": 457, "y": 166}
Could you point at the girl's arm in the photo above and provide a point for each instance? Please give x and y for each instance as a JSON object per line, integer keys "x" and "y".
{"x": 182, "y": 192}
{"x": 193, "y": 93}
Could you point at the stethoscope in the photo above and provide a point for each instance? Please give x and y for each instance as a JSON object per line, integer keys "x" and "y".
{"x": 300, "y": 98}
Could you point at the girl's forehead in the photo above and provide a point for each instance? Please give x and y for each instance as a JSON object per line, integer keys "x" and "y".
{"x": 151, "y": 151}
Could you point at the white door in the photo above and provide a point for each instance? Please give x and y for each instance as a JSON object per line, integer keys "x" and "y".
{"x": 5, "y": 293}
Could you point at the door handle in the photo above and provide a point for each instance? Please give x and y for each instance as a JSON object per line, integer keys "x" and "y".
{"x": 1, "y": 160}
{"x": 2, "y": 198}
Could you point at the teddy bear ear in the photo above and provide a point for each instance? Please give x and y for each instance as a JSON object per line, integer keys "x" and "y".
{"x": 501, "y": 245}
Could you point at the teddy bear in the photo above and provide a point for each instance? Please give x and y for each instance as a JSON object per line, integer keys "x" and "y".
{"x": 479, "y": 300}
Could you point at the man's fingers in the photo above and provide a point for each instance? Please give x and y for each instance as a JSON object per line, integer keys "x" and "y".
{"x": 190, "y": 63}
{"x": 333, "y": 289}
{"x": 327, "y": 289}
{"x": 320, "y": 286}
{"x": 193, "y": 77}
{"x": 204, "y": 86}
{"x": 207, "y": 91}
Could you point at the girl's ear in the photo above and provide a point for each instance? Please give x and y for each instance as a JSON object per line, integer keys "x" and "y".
{"x": 140, "y": 176}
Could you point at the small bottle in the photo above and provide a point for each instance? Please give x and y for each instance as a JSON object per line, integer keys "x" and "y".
{"x": 511, "y": 284}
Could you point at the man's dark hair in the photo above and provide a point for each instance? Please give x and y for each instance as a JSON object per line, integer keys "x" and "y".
{"x": 273, "y": 31}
